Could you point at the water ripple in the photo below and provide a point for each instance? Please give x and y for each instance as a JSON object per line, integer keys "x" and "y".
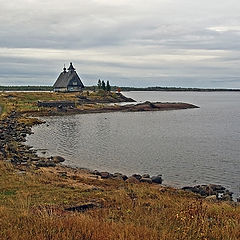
{"x": 188, "y": 147}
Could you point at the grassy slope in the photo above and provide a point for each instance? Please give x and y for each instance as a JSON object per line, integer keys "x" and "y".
{"x": 27, "y": 101}
{"x": 32, "y": 207}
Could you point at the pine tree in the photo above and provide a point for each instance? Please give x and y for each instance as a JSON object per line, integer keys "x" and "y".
{"x": 108, "y": 88}
{"x": 99, "y": 84}
{"x": 103, "y": 86}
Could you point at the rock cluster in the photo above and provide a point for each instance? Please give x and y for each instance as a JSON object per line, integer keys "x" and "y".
{"x": 212, "y": 191}
{"x": 135, "y": 178}
{"x": 12, "y": 135}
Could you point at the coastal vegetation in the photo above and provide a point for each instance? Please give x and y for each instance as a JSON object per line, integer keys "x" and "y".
{"x": 102, "y": 85}
{"x": 26, "y": 102}
{"x": 36, "y": 204}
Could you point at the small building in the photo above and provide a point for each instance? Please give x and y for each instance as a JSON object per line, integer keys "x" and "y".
{"x": 68, "y": 81}
{"x": 58, "y": 104}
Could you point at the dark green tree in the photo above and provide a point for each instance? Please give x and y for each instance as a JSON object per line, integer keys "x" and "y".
{"x": 99, "y": 84}
{"x": 103, "y": 86}
{"x": 108, "y": 87}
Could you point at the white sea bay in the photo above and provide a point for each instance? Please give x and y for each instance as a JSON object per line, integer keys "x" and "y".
{"x": 189, "y": 147}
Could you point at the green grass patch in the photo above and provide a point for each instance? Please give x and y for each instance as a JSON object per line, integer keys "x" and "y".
{"x": 7, "y": 193}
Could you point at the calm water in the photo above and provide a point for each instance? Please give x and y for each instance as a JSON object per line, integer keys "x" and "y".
{"x": 189, "y": 147}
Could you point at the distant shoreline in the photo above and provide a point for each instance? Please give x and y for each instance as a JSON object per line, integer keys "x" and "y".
{"x": 115, "y": 88}
{"x": 173, "y": 89}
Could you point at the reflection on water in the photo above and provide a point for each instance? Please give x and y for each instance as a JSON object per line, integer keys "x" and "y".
{"x": 186, "y": 146}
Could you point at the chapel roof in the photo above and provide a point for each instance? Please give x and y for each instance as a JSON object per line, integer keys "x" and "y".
{"x": 65, "y": 78}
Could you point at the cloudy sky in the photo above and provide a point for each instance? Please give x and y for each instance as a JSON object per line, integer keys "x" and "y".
{"x": 183, "y": 43}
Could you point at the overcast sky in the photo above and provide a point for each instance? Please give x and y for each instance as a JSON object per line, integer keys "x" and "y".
{"x": 183, "y": 43}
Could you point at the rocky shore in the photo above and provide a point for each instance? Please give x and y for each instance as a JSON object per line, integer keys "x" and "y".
{"x": 135, "y": 178}
{"x": 211, "y": 191}
{"x": 12, "y": 148}
{"x": 12, "y": 135}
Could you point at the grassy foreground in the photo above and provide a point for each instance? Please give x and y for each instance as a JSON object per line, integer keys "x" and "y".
{"x": 33, "y": 206}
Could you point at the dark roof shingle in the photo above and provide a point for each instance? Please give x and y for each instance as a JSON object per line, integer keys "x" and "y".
{"x": 66, "y": 79}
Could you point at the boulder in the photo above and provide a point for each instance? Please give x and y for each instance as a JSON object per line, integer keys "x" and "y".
{"x": 96, "y": 172}
{"x": 105, "y": 175}
{"x": 137, "y": 176}
{"x": 145, "y": 176}
{"x": 120, "y": 176}
{"x": 132, "y": 180}
{"x": 45, "y": 164}
{"x": 157, "y": 179}
{"x": 146, "y": 180}
{"x": 124, "y": 177}
{"x": 58, "y": 159}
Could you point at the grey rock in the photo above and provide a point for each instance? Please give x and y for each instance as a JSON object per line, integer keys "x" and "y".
{"x": 117, "y": 174}
{"x": 145, "y": 176}
{"x": 132, "y": 180}
{"x": 105, "y": 175}
{"x": 45, "y": 164}
{"x": 157, "y": 179}
{"x": 120, "y": 176}
{"x": 137, "y": 176}
{"x": 96, "y": 172}
{"x": 146, "y": 180}
{"x": 58, "y": 159}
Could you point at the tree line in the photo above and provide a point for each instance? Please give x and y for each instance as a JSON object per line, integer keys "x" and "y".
{"x": 102, "y": 85}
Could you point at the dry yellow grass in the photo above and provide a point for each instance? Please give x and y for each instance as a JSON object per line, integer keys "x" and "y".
{"x": 32, "y": 207}
{"x": 26, "y": 102}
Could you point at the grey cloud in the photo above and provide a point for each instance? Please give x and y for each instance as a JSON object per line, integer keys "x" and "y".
{"x": 128, "y": 42}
